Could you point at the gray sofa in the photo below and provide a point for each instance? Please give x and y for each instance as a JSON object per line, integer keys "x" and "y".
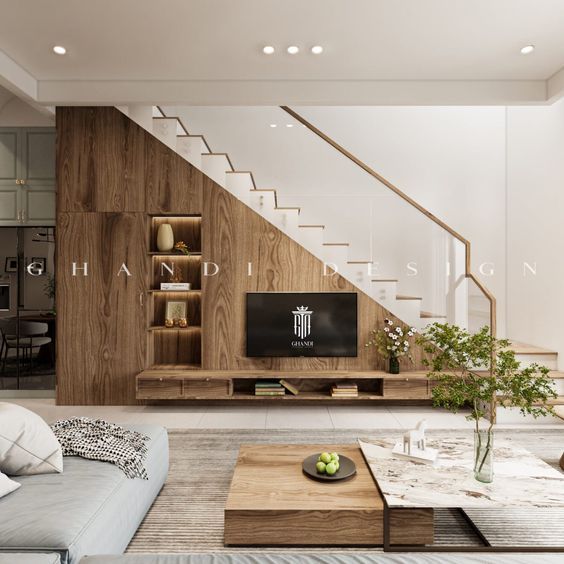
{"x": 91, "y": 508}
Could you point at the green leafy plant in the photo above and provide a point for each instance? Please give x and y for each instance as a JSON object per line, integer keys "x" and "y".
{"x": 480, "y": 371}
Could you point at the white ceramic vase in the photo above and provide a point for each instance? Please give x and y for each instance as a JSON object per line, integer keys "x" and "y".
{"x": 165, "y": 238}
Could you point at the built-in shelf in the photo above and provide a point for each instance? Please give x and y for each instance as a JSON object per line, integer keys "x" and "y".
{"x": 183, "y": 329}
{"x": 176, "y": 367}
{"x": 174, "y": 291}
{"x": 176, "y": 255}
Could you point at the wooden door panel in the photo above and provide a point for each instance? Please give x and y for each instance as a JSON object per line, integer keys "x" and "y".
{"x": 101, "y": 331}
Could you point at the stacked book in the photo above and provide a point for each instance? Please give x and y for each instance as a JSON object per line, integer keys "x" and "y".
{"x": 264, "y": 388}
{"x": 344, "y": 391}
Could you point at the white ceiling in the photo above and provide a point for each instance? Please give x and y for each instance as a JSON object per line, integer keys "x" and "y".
{"x": 117, "y": 46}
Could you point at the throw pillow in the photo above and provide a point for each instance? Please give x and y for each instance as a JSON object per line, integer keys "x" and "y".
{"x": 7, "y": 486}
{"x": 27, "y": 444}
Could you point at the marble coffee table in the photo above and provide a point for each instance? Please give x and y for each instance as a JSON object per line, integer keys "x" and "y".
{"x": 521, "y": 480}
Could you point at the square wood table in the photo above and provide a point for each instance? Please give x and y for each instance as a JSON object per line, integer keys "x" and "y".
{"x": 272, "y": 503}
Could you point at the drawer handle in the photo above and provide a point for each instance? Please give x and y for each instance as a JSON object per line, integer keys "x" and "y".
{"x": 160, "y": 379}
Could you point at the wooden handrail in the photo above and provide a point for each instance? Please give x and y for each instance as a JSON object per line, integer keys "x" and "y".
{"x": 411, "y": 202}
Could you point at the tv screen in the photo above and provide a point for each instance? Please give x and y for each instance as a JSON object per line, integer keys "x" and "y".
{"x": 302, "y": 324}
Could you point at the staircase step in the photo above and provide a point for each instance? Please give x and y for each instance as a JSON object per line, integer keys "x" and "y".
{"x": 336, "y": 244}
{"x": 312, "y": 226}
{"x": 429, "y": 315}
{"x": 225, "y": 156}
{"x": 407, "y": 298}
{"x": 311, "y": 237}
{"x": 239, "y": 184}
{"x": 523, "y": 348}
{"x": 190, "y": 148}
{"x": 263, "y": 201}
{"x": 215, "y": 166}
{"x": 206, "y": 147}
{"x": 383, "y": 280}
{"x": 360, "y": 262}
{"x": 179, "y": 126}
{"x": 559, "y": 411}
{"x": 164, "y": 129}
{"x": 248, "y": 172}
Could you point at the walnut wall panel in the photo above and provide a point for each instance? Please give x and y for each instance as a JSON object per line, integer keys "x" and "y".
{"x": 234, "y": 235}
{"x": 100, "y": 161}
{"x": 101, "y": 321}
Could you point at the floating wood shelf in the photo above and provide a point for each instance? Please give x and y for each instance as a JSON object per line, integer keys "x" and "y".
{"x": 174, "y": 291}
{"x": 183, "y": 329}
{"x": 179, "y": 255}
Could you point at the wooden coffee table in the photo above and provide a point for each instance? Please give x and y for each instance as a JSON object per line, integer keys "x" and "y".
{"x": 271, "y": 502}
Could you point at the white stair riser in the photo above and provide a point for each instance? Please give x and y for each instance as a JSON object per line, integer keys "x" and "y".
{"x": 408, "y": 311}
{"x": 384, "y": 292}
{"x": 239, "y": 185}
{"x": 548, "y": 360}
{"x": 358, "y": 275}
{"x": 559, "y": 386}
{"x": 215, "y": 166}
{"x": 335, "y": 254}
{"x": 263, "y": 203}
{"x": 190, "y": 148}
{"x": 165, "y": 130}
{"x": 312, "y": 239}
{"x": 287, "y": 221}
{"x": 141, "y": 115}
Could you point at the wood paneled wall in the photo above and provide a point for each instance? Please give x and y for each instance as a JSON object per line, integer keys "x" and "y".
{"x": 112, "y": 175}
{"x": 233, "y": 236}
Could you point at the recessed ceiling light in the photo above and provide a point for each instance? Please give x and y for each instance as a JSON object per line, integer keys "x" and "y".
{"x": 59, "y": 49}
{"x": 527, "y": 49}
{"x": 317, "y": 49}
{"x": 293, "y": 49}
{"x": 289, "y": 125}
{"x": 268, "y": 49}
{"x": 273, "y": 125}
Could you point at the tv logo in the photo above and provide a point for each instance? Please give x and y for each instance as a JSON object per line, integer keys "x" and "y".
{"x": 302, "y": 322}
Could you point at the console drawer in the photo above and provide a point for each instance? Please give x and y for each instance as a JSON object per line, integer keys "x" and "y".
{"x": 406, "y": 388}
{"x": 207, "y": 388}
{"x": 159, "y": 388}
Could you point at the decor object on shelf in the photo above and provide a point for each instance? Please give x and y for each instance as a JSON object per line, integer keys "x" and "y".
{"x": 392, "y": 342}
{"x": 176, "y": 286}
{"x": 183, "y": 323}
{"x": 328, "y": 467}
{"x": 414, "y": 445}
{"x": 294, "y": 390}
{"x": 49, "y": 290}
{"x": 169, "y": 323}
{"x": 165, "y": 238}
{"x": 175, "y": 310}
{"x": 27, "y": 444}
{"x": 267, "y": 388}
{"x": 480, "y": 371}
{"x": 181, "y": 247}
{"x": 176, "y": 275}
{"x": 11, "y": 264}
{"x": 344, "y": 391}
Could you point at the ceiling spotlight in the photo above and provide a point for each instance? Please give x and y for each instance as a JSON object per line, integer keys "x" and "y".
{"x": 317, "y": 49}
{"x": 293, "y": 49}
{"x": 527, "y": 49}
{"x": 268, "y": 49}
{"x": 289, "y": 125}
{"x": 273, "y": 125}
{"x": 59, "y": 49}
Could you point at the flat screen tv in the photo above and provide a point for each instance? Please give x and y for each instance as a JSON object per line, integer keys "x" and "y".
{"x": 290, "y": 324}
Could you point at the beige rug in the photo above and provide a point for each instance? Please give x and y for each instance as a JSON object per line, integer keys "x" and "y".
{"x": 187, "y": 516}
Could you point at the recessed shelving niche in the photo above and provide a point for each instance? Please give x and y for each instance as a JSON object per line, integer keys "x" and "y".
{"x": 175, "y": 347}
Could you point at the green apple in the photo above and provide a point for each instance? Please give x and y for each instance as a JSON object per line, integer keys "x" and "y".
{"x": 334, "y": 456}
{"x": 336, "y": 463}
{"x": 331, "y": 468}
{"x": 321, "y": 467}
{"x": 325, "y": 457}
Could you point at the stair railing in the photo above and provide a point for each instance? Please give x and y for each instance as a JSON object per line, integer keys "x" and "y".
{"x": 467, "y": 247}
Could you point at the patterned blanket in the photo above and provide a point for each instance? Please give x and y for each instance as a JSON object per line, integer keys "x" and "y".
{"x": 97, "y": 439}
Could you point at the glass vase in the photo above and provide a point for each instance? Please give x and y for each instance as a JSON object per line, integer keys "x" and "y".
{"x": 394, "y": 367}
{"x": 483, "y": 456}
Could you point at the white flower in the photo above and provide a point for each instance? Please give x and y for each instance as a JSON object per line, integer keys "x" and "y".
{"x": 386, "y": 329}
{"x": 389, "y": 322}
{"x": 409, "y": 334}
{"x": 413, "y": 330}
{"x": 398, "y": 330}
{"x": 388, "y": 348}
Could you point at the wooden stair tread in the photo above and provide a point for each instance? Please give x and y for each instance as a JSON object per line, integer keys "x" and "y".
{"x": 359, "y": 262}
{"x": 523, "y": 348}
{"x": 559, "y": 411}
{"x": 287, "y": 208}
{"x": 336, "y": 244}
{"x": 383, "y": 280}
{"x": 428, "y": 315}
{"x": 407, "y": 298}
{"x": 315, "y": 226}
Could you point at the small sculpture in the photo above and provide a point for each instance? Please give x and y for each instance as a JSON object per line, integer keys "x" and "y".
{"x": 415, "y": 437}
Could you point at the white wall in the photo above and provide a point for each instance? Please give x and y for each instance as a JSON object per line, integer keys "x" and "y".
{"x": 16, "y": 113}
{"x": 536, "y": 225}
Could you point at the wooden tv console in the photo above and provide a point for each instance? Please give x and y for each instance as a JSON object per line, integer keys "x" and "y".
{"x": 233, "y": 385}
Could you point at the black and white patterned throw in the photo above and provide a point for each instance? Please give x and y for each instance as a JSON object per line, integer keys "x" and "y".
{"x": 97, "y": 439}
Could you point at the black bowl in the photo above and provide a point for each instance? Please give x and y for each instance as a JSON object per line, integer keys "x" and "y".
{"x": 347, "y": 469}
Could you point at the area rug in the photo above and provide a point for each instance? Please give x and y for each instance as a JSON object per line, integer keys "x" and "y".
{"x": 187, "y": 516}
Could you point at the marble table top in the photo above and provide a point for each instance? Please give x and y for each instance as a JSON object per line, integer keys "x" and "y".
{"x": 521, "y": 479}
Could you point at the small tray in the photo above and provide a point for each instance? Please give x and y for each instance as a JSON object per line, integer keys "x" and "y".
{"x": 347, "y": 469}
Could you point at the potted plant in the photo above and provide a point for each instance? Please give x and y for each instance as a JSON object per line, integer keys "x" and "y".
{"x": 392, "y": 342}
{"x": 480, "y": 371}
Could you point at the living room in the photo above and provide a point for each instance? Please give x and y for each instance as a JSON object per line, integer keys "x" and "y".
{"x": 281, "y": 288}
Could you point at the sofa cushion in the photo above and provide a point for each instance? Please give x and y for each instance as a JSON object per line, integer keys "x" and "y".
{"x": 7, "y": 486}
{"x": 27, "y": 444}
{"x": 29, "y": 558}
{"x": 92, "y": 508}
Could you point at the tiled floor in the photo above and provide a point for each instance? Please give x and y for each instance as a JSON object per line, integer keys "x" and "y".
{"x": 274, "y": 416}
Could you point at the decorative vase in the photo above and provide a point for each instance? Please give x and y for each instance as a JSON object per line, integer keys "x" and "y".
{"x": 165, "y": 238}
{"x": 394, "y": 365}
{"x": 483, "y": 456}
